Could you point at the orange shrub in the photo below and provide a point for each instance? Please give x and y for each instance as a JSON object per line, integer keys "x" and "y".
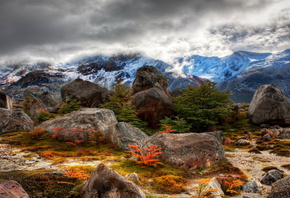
{"x": 146, "y": 159}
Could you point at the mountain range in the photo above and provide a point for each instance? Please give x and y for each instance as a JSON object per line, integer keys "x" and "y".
{"x": 241, "y": 72}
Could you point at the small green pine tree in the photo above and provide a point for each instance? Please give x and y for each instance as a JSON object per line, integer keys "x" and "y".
{"x": 178, "y": 124}
{"x": 203, "y": 107}
{"x": 120, "y": 103}
{"x": 68, "y": 107}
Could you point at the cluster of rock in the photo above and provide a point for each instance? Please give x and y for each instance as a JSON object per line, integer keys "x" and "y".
{"x": 191, "y": 150}
{"x": 153, "y": 103}
{"x": 276, "y": 131}
{"x": 280, "y": 186}
{"x": 150, "y": 96}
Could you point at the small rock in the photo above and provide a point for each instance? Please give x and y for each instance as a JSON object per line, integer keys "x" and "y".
{"x": 264, "y": 126}
{"x": 285, "y": 135}
{"x": 242, "y": 142}
{"x": 267, "y": 137}
{"x": 252, "y": 186}
{"x": 231, "y": 130}
{"x": 271, "y": 146}
{"x": 255, "y": 150}
{"x": 271, "y": 176}
{"x": 133, "y": 177}
{"x": 214, "y": 184}
{"x": 277, "y": 127}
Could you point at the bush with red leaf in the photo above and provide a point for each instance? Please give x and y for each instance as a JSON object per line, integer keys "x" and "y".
{"x": 147, "y": 159}
{"x": 167, "y": 129}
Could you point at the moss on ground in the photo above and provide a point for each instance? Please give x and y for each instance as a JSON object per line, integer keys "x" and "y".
{"x": 281, "y": 148}
{"x": 170, "y": 184}
{"x": 151, "y": 178}
{"x": 40, "y": 184}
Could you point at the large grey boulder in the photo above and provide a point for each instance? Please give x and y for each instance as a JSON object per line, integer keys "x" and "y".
{"x": 88, "y": 118}
{"x": 271, "y": 176}
{"x": 269, "y": 106}
{"x": 280, "y": 189}
{"x": 88, "y": 93}
{"x": 150, "y": 95}
{"x": 125, "y": 134}
{"x": 5, "y": 101}
{"x": 148, "y": 77}
{"x": 46, "y": 102}
{"x": 104, "y": 120}
{"x": 15, "y": 120}
{"x": 106, "y": 183}
{"x": 153, "y": 105}
{"x": 12, "y": 189}
{"x": 190, "y": 150}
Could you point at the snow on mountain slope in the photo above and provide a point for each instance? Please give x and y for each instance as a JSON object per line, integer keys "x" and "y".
{"x": 221, "y": 69}
{"x": 241, "y": 73}
{"x": 274, "y": 69}
{"x": 13, "y": 73}
{"x": 101, "y": 70}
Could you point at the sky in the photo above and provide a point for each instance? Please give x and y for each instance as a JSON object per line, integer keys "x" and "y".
{"x": 64, "y": 30}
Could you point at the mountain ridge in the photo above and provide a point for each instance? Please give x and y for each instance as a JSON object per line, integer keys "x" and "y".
{"x": 241, "y": 72}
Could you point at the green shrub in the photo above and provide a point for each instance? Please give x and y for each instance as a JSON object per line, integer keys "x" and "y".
{"x": 120, "y": 103}
{"x": 68, "y": 107}
{"x": 178, "y": 124}
{"x": 203, "y": 107}
{"x": 44, "y": 115}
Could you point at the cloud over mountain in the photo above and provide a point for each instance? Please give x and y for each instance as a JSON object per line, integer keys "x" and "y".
{"x": 58, "y": 30}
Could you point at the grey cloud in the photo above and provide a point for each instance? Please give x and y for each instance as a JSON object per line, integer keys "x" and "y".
{"x": 77, "y": 25}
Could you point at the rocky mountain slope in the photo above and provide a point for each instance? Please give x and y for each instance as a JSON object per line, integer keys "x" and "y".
{"x": 14, "y": 79}
{"x": 241, "y": 73}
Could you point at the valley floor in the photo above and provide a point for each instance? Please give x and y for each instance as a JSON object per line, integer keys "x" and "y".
{"x": 14, "y": 159}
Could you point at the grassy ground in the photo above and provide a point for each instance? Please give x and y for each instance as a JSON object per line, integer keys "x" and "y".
{"x": 164, "y": 178}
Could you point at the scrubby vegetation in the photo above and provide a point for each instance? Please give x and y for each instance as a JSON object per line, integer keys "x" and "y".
{"x": 44, "y": 115}
{"x": 120, "y": 103}
{"x": 58, "y": 152}
{"x": 200, "y": 109}
{"x": 70, "y": 106}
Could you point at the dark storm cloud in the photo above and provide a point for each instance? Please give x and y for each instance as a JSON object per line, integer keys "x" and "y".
{"x": 56, "y": 26}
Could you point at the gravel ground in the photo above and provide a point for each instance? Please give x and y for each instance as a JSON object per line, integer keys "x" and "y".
{"x": 252, "y": 164}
